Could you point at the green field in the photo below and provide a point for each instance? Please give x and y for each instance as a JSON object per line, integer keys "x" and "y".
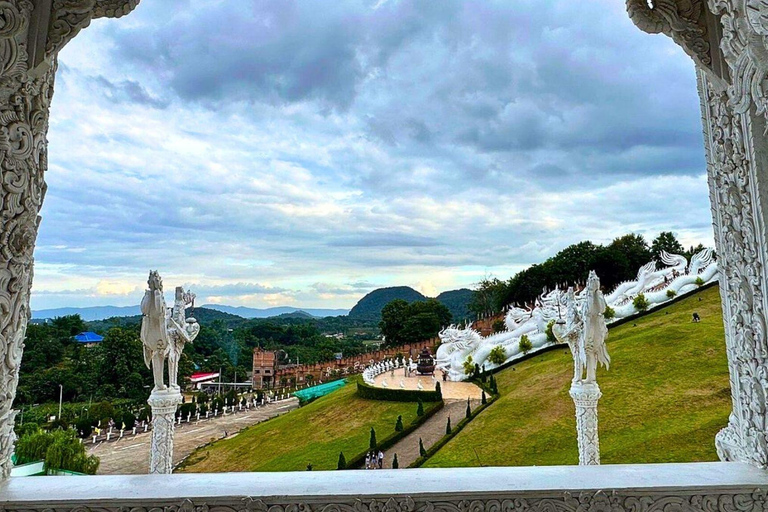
{"x": 664, "y": 399}
{"x": 315, "y": 433}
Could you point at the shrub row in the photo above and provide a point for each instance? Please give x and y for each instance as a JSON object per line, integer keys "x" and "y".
{"x": 454, "y": 430}
{"x": 388, "y": 442}
{"x": 396, "y": 395}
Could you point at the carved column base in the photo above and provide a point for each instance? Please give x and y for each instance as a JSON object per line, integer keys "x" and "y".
{"x": 164, "y": 405}
{"x": 585, "y": 397}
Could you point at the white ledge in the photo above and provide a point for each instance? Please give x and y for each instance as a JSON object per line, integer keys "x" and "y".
{"x": 318, "y": 486}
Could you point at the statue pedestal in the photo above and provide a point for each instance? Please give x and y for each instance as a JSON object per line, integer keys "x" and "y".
{"x": 164, "y": 405}
{"x": 585, "y": 397}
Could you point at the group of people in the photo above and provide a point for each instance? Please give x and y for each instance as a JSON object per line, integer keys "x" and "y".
{"x": 374, "y": 460}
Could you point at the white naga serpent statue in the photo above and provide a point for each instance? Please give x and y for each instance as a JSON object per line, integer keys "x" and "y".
{"x": 658, "y": 285}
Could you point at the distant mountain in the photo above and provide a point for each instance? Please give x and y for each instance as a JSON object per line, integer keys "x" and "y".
{"x": 204, "y": 316}
{"x": 297, "y": 314}
{"x": 88, "y": 314}
{"x": 370, "y": 306}
{"x": 246, "y": 312}
{"x": 457, "y": 301}
{"x": 94, "y": 313}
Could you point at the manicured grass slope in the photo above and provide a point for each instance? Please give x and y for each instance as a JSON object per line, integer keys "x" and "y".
{"x": 664, "y": 399}
{"x": 315, "y": 433}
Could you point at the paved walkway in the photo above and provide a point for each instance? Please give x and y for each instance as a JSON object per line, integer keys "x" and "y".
{"x": 450, "y": 390}
{"x": 130, "y": 455}
{"x": 407, "y": 449}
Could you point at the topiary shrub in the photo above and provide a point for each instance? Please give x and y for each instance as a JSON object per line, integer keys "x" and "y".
{"x": 342, "y": 464}
{"x": 525, "y": 344}
{"x": 422, "y": 450}
{"x": 671, "y": 294}
{"x": 609, "y": 313}
{"x": 469, "y": 410}
{"x": 469, "y": 366}
{"x": 551, "y": 335}
{"x": 395, "y": 464}
{"x": 372, "y": 441}
{"x": 420, "y": 408}
{"x": 494, "y": 386}
{"x": 448, "y": 427}
{"x": 498, "y": 326}
{"x": 497, "y": 355}
{"x": 483, "y": 398}
{"x": 399, "y": 424}
{"x": 641, "y": 303}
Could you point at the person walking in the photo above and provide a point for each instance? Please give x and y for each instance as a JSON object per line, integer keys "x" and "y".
{"x": 381, "y": 459}
{"x": 367, "y": 461}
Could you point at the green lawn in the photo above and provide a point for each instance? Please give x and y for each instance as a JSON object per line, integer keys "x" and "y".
{"x": 315, "y": 433}
{"x": 664, "y": 398}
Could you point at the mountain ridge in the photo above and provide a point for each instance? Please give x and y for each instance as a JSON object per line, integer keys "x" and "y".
{"x": 96, "y": 313}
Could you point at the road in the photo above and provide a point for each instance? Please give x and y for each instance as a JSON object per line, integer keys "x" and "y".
{"x": 130, "y": 455}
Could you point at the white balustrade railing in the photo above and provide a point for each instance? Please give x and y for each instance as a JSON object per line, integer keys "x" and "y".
{"x": 718, "y": 486}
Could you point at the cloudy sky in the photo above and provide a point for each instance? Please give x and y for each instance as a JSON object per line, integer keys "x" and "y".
{"x": 303, "y": 153}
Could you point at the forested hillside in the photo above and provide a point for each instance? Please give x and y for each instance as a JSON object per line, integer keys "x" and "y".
{"x": 370, "y": 306}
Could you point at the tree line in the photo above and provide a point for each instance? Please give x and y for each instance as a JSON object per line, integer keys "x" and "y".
{"x": 615, "y": 263}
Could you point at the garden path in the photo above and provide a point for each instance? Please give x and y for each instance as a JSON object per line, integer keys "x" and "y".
{"x": 407, "y": 449}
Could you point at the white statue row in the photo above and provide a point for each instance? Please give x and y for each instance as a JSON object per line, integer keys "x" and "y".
{"x": 376, "y": 369}
{"x": 657, "y": 286}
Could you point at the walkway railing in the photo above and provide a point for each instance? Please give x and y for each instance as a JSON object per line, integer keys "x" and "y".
{"x": 611, "y": 488}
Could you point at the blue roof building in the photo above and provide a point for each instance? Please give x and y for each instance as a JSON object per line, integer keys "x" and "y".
{"x": 88, "y": 338}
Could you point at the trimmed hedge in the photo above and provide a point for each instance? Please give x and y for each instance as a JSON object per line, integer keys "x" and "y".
{"x": 388, "y": 442}
{"x": 396, "y": 395}
{"x": 454, "y": 430}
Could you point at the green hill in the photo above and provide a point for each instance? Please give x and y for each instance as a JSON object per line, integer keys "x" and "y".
{"x": 457, "y": 301}
{"x": 203, "y": 315}
{"x": 315, "y": 433}
{"x": 665, "y": 397}
{"x": 370, "y": 306}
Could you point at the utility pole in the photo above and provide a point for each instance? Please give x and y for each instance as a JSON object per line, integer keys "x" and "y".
{"x": 61, "y": 395}
{"x": 221, "y": 369}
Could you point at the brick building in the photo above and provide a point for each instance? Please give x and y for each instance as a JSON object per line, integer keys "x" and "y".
{"x": 264, "y": 368}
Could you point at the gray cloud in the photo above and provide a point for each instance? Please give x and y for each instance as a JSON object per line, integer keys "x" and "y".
{"x": 277, "y": 149}
{"x": 129, "y": 91}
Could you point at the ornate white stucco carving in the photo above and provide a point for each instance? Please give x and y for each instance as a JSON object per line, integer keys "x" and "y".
{"x": 585, "y": 331}
{"x": 164, "y": 332}
{"x": 164, "y": 404}
{"x": 734, "y": 103}
{"x": 585, "y": 501}
{"x": 31, "y": 34}
{"x": 585, "y": 397}
{"x": 676, "y": 275}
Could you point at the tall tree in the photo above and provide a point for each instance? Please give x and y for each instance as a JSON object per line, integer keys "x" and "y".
{"x": 402, "y": 322}
{"x": 634, "y": 248}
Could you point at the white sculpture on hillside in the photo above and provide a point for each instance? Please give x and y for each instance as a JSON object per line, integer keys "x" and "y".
{"x": 570, "y": 331}
{"x": 658, "y": 285}
{"x": 592, "y": 343}
{"x": 181, "y": 331}
{"x": 589, "y": 351}
{"x": 154, "y": 329}
{"x": 164, "y": 333}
